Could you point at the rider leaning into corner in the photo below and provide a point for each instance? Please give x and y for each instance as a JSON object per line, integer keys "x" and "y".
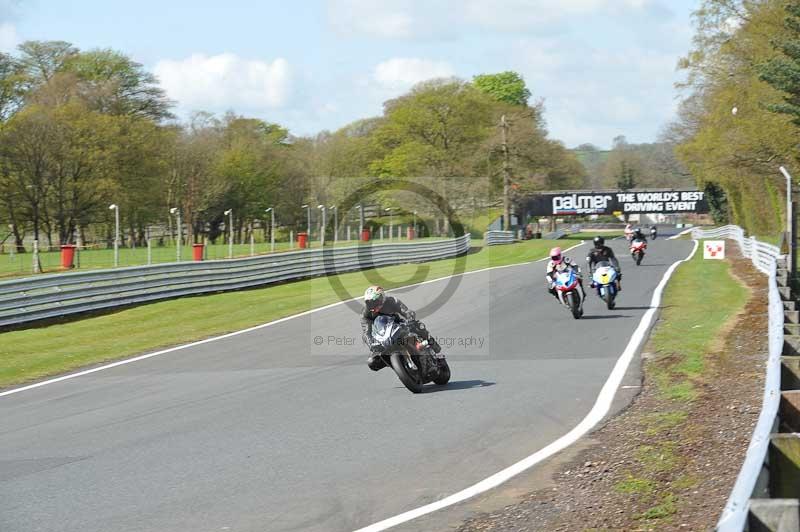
{"x": 557, "y": 264}
{"x": 377, "y": 303}
{"x": 602, "y": 253}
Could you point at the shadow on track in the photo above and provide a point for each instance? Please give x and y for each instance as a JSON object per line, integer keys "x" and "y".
{"x": 458, "y": 385}
{"x": 635, "y": 308}
{"x": 605, "y": 316}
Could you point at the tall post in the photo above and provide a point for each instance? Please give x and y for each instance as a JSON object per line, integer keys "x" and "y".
{"x": 14, "y": 245}
{"x": 360, "y": 219}
{"x": 252, "y": 241}
{"x": 37, "y": 267}
{"x": 179, "y": 233}
{"x": 793, "y": 244}
{"x": 229, "y": 214}
{"x": 308, "y": 230}
{"x": 149, "y": 248}
{"x": 78, "y": 245}
{"x": 506, "y": 176}
{"x": 291, "y": 239}
{"x": 791, "y": 225}
{"x": 271, "y": 210}
{"x": 391, "y": 219}
{"x": 322, "y": 226}
{"x": 788, "y": 198}
{"x": 114, "y": 207}
{"x": 335, "y": 224}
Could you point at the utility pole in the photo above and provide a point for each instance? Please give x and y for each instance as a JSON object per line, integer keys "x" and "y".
{"x": 506, "y": 176}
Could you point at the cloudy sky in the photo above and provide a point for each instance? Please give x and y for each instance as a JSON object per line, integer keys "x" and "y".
{"x": 602, "y": 67}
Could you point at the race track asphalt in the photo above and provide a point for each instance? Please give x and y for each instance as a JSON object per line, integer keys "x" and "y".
{"x": 278, "y": 430}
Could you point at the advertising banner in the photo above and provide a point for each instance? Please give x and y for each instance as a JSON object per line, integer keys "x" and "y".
{"x": 623, "y": 202}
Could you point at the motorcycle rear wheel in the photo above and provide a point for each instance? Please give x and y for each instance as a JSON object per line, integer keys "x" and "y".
{"x": 410, "y": 377}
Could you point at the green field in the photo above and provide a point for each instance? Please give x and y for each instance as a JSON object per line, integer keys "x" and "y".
{"x": 38, "y": 352}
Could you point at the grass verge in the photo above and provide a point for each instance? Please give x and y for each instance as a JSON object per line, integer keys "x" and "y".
{"x": 39, "y": 352}
{"x": 700, "y": 301}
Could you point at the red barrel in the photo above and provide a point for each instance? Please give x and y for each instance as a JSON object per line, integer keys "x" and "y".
{"x": 197, "y": 251}
{"x": 68, "y": 255}
{"x": 365, "y": 235}
{"x": 410, "y": 233}
{"x": 302, "y": 240}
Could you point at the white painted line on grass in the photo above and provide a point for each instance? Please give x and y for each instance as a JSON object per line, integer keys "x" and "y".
{"x": 244, "y": 331}
{"x": 595, "y": 415}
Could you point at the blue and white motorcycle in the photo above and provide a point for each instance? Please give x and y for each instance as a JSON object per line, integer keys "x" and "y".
{"x": 604, "y": 280}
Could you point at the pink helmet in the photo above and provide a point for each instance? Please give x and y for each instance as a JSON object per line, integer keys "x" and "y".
{"x": 555, "y": 255}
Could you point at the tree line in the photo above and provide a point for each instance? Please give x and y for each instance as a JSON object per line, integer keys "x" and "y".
{"x": 80, "y": 130}
{"x": 740, "y": 110}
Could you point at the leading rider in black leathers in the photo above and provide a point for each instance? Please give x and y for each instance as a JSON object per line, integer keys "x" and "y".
{"x": 602, "y": 253}
{"x": 377, "y": 303}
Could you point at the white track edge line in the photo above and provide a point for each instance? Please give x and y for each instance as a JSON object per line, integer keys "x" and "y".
{"x": 673, "y": 237}
{"x": 243, "y": 331}
{"x": 595, "y": 415}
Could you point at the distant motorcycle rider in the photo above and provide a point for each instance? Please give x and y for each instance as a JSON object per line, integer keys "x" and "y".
{"x": 377, "y": 303}
{"x": 638, "y": 235}
{"x": 603, "y": 253}
{"x": 628, "y": 232}
{"x": 557, "y": 264}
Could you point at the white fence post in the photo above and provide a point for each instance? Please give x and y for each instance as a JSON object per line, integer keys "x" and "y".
{"x": 37, "y": 268}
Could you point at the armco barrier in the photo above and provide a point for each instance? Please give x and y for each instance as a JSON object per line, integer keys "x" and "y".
{"x": 38, "y": 298}
{"x": 745, "y": 502}
{"x": 493, "y": 238}
{"x": 561, "y": 233}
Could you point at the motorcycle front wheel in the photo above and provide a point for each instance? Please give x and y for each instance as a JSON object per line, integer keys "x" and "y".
{"x": 609, "y": 298}
{"x": 408, "y": 371}
{"x": 444, "y": 373}
{"x": 574, "y": 305}
{"x": 639, "y": 257}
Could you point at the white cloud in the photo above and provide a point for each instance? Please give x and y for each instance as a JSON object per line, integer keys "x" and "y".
{"x": 593, "y": 94}
{"x": 403, "y": 72}
{"x": 392, "y": 18}
{"x": 226, "y": 81}
{"x": 8, "y": 37}
{"x": 404, "y": 19}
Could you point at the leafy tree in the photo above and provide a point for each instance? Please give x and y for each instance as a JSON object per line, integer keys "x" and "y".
{"x": 738, "y": 151}
{"x": 783, "y": 71}
{"x": 507, "y": 87}
{"x": 39, "y": 61}
{"x": 115, "y": 84}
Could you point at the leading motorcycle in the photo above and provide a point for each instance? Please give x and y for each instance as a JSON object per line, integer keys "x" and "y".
{"x": 604, "y": 280}
{"x": 410, "y": 357}
{"x": 569, "y": 292}
{"x": 637, "y": 250}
